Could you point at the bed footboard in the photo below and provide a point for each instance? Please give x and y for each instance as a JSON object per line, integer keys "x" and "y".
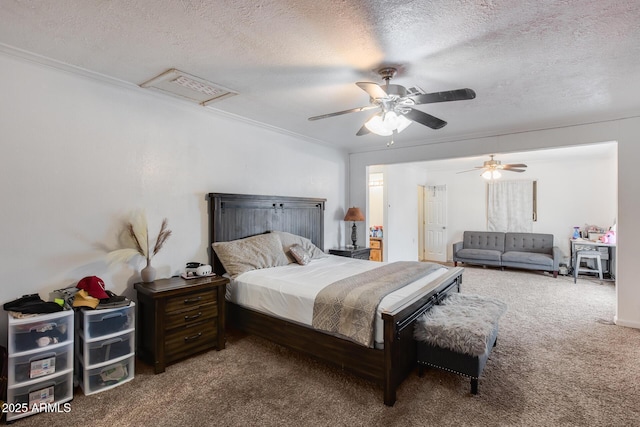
{"x": 400, "y": 349}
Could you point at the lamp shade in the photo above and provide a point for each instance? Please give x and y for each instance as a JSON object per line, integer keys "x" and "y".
{"x": 354, "y": 214}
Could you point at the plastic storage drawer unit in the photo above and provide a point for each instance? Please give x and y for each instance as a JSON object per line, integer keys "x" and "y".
{"x": 106, "y": 349}
{"x": 39, "y": 363}
{"x": 97, "y": 323}
{"x": 25, "y": 400}
{"x": 33, "y": 366}
{"x": 36, "y": 333}
{"x": 105, "y": 377}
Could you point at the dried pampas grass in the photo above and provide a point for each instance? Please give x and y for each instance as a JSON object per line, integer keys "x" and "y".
{"x": 137, "y": 232}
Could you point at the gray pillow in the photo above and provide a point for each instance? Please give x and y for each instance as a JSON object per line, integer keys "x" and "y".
{"x": 251, "y": 253}
{"x": 289, "y": 240}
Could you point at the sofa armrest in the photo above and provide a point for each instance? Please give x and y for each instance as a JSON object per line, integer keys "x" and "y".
{"x": 557, "y": 255}
{"x": 456, "y": 247}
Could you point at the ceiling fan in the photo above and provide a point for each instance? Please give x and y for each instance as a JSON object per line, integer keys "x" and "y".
{"x": 395, "y": 106}
{"x": 493, "y": 167}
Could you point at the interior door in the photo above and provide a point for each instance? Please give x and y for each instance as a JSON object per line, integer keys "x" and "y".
{"x": 436, "y": 223}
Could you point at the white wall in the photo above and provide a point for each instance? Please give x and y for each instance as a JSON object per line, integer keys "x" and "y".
{"x": 78, "y": 155}
{"x": 572, "y": 191}
{"x": 625, "y": 131}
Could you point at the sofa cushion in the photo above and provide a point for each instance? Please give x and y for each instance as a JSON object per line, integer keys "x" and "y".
{"x": 483, "y": 240}
{"x": 479, "y": 255}
{"x": 529, "y": 242}
{"x": 528, "y": 258}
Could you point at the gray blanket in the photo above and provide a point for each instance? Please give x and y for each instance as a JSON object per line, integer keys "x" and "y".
{"x": 348, "y": 307}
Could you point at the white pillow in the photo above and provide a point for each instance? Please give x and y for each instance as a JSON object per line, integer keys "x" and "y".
{"x": 251, "y": 253}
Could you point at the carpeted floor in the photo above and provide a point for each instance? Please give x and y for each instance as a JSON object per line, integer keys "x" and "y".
{"x": 560, "y": 361}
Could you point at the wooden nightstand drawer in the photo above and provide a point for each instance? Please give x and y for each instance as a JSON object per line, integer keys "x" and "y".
{"x": 184, "y": 342}
{"x": 185, "y": 302}
{"x": 374, "y": 244}
{"x": 190, "y": 316}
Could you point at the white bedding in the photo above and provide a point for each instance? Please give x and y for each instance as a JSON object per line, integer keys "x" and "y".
{"x": 289, "y": 291}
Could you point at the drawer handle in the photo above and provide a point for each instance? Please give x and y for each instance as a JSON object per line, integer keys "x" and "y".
{"x": 193, "y": 337}
{"x": 192, "y": 300}
{"x": 195, "y": 316}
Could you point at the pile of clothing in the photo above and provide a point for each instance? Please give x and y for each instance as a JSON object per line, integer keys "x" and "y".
{"x": 89, "y": 292}
{"x": 32, "y": 305}
{"x": 93, "y": 294}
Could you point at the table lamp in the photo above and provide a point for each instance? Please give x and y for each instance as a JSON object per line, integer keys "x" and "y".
{"x": 354, "y": 214}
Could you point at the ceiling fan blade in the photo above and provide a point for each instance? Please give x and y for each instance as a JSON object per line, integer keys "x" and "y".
{"x": 424, "y": 119}
{"x": 469, "y": 170}
{"x": 449, "y": 95}
{"x": 515, "y": 165}
{"x": 514, "y": 170}
{"x": 373, "y": 89}
{"x": 363, "y": 131}
{"x": 339, "y": 113}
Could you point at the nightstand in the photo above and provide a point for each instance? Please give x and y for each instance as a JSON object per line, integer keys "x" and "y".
{"x": 178, "y": 318}
{"x": 350, "y": 252}
{"x": 375, "y": 243}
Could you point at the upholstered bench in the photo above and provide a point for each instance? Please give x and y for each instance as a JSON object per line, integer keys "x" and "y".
{"x": 459, "y": 334}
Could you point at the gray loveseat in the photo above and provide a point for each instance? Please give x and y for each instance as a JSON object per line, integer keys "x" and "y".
{"x": 531, "y": 251}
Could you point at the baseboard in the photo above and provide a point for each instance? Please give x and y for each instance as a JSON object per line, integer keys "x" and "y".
{"x": 626, "y": 323}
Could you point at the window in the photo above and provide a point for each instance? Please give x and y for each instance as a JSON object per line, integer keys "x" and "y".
{"x": 511, "y": 205}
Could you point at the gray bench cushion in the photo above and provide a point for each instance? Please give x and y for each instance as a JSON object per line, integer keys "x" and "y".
{"x": 462, "y": 323}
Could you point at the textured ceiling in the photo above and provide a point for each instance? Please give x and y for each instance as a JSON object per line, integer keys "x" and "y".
{"x": 533, "y": 64}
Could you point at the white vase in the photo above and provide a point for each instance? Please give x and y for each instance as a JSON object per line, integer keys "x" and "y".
{"x": 148, "y": 273}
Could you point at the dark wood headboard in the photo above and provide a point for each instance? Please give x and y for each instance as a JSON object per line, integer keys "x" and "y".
{"x": 235, "y": 216}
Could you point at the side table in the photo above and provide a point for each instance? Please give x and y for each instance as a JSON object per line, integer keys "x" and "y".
{"x": 179, "y": 318}
{"x": 359, "y": 252}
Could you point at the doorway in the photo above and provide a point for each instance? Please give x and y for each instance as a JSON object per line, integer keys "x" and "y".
{"x": 376, "y": 214}
{"x": 432, "y": 223}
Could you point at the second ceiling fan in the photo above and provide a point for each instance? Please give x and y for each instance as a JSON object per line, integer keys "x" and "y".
{"x": 491, "y": 168}
{"x": 395, "y": 106}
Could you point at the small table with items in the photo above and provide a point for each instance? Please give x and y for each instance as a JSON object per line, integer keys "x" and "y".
{"x": 359, "y": 252}
{"x": 607, "y": 254}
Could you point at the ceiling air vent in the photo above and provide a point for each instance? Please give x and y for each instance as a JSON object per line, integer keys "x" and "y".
{"x": 177, "y": 83}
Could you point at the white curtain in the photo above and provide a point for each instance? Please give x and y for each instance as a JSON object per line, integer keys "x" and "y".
{"x": 510, "y": 206}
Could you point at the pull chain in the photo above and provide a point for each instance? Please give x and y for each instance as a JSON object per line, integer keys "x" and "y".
{"x": 390, "y": 143}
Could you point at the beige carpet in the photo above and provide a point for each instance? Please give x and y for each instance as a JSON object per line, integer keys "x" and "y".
{"x": 559, "y": 362}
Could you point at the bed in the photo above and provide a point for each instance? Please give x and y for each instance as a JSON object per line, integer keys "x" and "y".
{"x": 390, "y": 360}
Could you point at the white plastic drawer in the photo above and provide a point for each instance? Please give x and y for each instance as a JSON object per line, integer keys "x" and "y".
{"x": 101, "y": 351}
{"x": 98, "y": 323}
{"x": 34, "y": 366}
{"x": 49, "y": 391}
{"x": 112, "y": 375}
{"x": 37, "y": 333}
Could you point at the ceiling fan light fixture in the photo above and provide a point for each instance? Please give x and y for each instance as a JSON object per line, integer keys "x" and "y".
{"x": 385, "y": 124}
{"x": 491, "y": 174}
